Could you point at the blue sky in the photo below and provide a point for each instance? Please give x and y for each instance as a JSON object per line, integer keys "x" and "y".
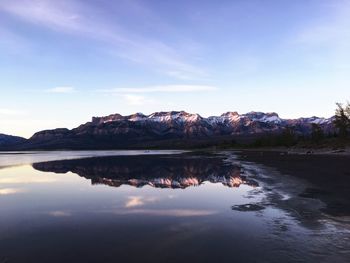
{"x": 62, "y": 62}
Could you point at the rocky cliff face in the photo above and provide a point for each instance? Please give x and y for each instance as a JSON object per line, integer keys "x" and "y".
{"x": 117, "y": 131}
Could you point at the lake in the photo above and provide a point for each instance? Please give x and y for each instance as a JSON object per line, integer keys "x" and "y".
{"x": 160, "y": 206}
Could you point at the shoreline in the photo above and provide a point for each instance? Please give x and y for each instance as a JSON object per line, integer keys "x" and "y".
{"x": 328, "y": 174}
{"x": 299, "y": 151}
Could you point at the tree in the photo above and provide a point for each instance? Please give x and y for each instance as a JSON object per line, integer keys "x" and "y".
{"x": 288, "y": 137}
{"x": 316, "y": 133}
{"x": 342, "y": 119}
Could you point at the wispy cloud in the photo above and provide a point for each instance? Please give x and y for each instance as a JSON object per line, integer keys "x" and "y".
{"x": 61, "y": 90}
{"x": 163, "y": 89}
{"x": 51, "y": 14}
{"x": 135, "y": 99}
{"x": 4, "y": 111}
{"x": 138, "y": 97}
{"x": 326, "y": 39}
{"x": 78, "y": 18}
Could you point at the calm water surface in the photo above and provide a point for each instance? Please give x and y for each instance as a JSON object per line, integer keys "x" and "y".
{"x": 159, "y": 206}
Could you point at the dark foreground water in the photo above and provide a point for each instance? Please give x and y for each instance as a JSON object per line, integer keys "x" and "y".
{"x": 160, "y": 207}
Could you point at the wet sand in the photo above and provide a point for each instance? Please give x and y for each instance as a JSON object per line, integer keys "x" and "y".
{"x": 329, "y": 175}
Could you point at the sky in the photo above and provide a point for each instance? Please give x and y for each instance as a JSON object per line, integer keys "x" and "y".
{"x": 62, "y": 62}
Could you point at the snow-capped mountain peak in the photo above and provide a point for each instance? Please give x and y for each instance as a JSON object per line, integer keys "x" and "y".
{"x": 179, "y": 116}
{"x": 228, "y": 118}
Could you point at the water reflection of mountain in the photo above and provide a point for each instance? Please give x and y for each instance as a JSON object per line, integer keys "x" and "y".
{"x": 156, "y": 171}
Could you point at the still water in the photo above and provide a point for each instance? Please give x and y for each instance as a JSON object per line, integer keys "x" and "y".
{"x": 159, "y": 206}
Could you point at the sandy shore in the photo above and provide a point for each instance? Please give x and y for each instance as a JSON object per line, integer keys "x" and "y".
{"x": 329, "y": 173}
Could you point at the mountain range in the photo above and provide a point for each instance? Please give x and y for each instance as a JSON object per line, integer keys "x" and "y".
{"x": 8, "y": 140}
{"x": 166, "y": 129}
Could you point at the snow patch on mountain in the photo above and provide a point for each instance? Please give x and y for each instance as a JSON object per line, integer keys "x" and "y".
{"x": 227, "y": 119}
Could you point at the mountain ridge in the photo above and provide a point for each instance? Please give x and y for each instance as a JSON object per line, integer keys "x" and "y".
{"x": 8, "y": 140}
{"x": 167, "y": 128}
